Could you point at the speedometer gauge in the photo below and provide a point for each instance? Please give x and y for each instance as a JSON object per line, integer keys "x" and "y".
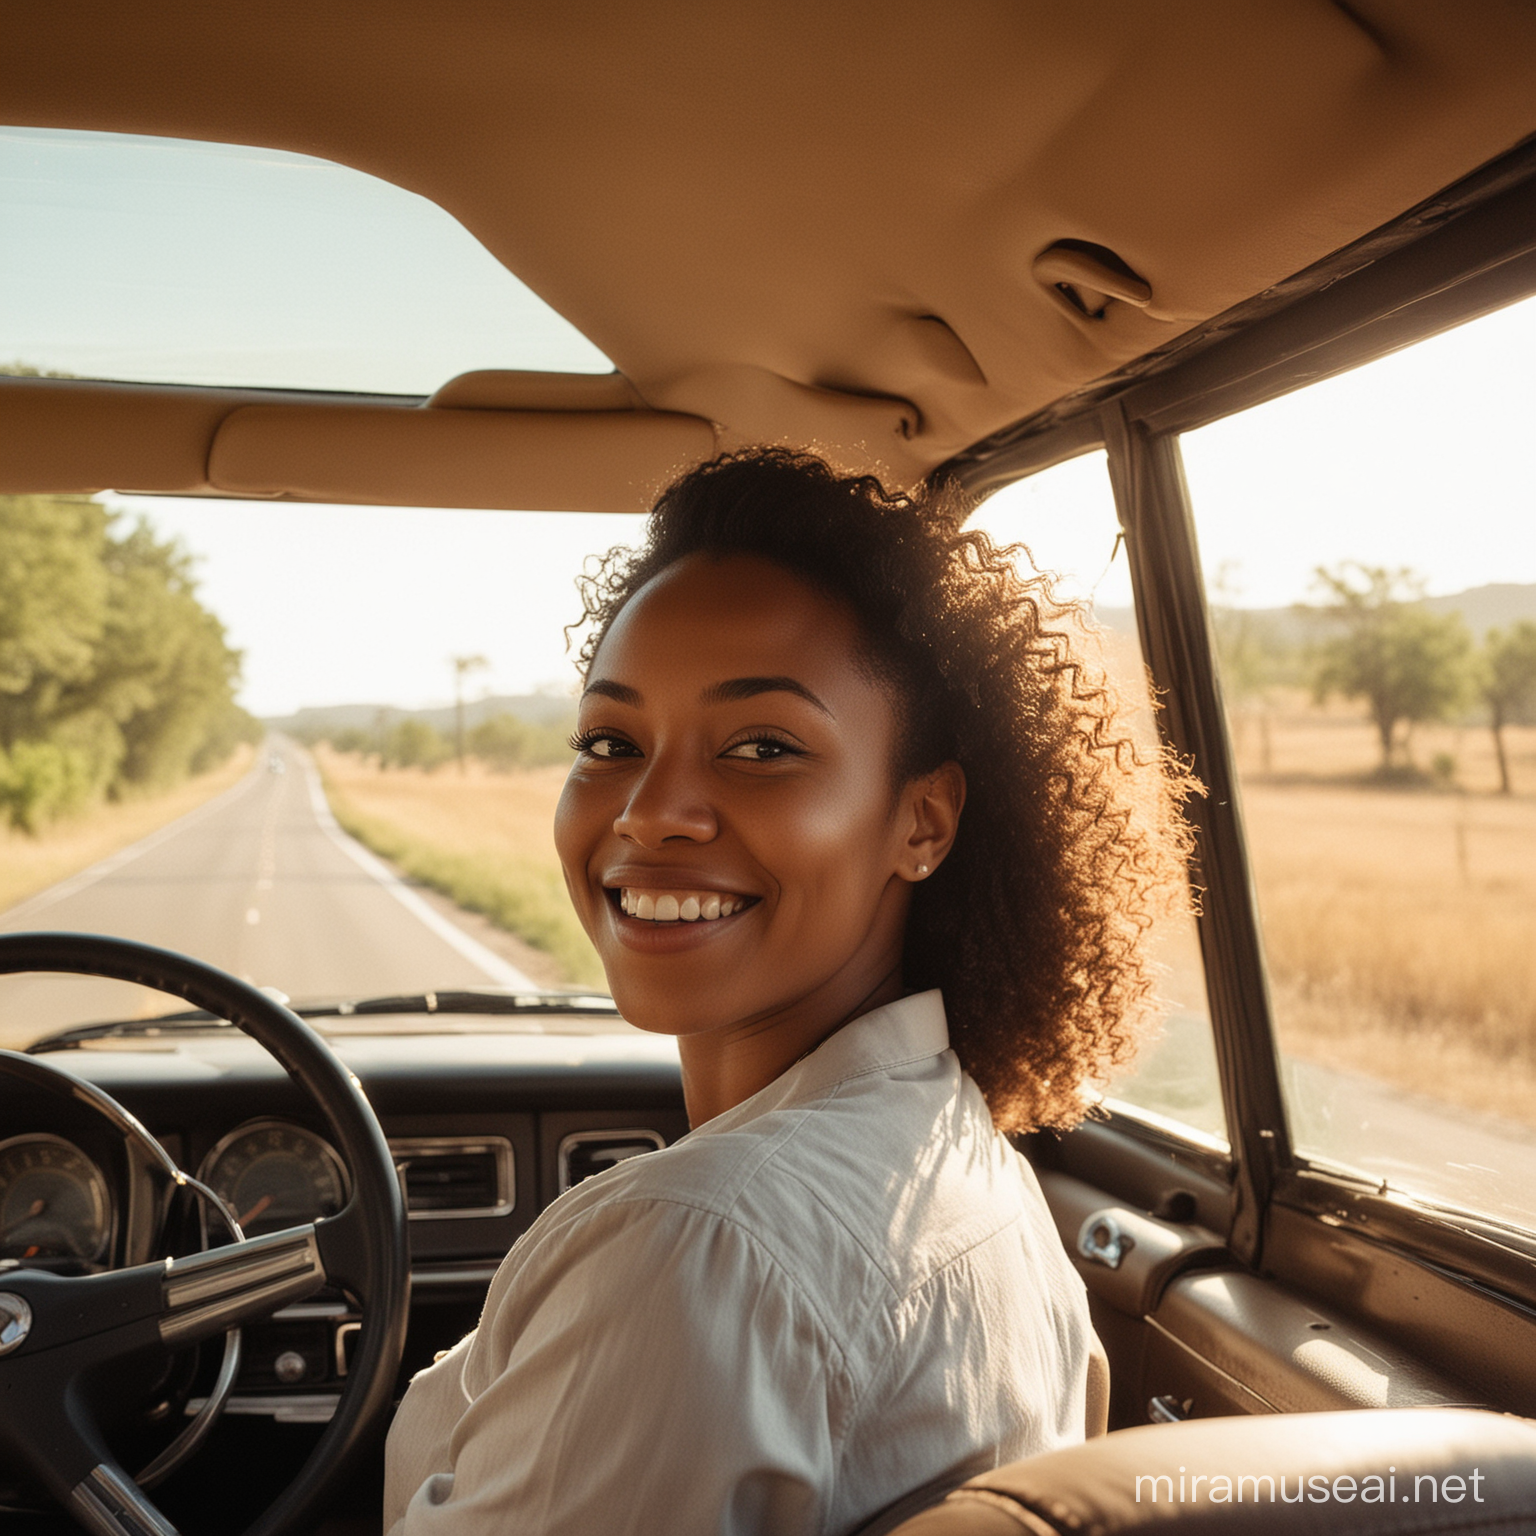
{"x": 53, "y": 1201}
{"x": 273, "y": 1175}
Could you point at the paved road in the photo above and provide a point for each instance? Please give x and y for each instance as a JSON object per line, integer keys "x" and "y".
{"x": 262, "y": 882}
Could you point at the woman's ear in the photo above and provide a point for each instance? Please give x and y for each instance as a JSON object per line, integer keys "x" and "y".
{"x": 932, "y": 803}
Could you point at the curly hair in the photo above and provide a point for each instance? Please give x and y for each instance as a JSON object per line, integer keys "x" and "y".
{"x": 1071, "y": 843}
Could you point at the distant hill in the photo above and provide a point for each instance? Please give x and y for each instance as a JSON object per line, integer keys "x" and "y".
{"x": 323, "y": 720}
{"x": 1482, "y": 608}
{"x": 1497, "y": 605}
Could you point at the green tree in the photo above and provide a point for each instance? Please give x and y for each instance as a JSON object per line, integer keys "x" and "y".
{"x": 40, "y": 780}
{"x": 53, "y": 605}
{"x": 505, "y": 742}
{"x": 1508, "y": 685}
{"x": 501, "y": 742}
{"x": 354, "y": 738}
{"x": 1408, "y": 664}
{"x": 112, "y": 675}
{"x": 414, "y": 744}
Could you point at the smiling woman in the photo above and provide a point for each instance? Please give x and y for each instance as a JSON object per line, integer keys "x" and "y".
{"x": 963, "y": 685}
{"x": 852, "y": 822}
{"x": 729, "y": 830}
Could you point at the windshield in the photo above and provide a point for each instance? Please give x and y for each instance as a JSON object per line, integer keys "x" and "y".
{"x": 357, "y": 800}
{"x": 170, "y": 261}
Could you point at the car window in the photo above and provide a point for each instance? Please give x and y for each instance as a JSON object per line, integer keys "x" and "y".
{"x": 173, "y": 261}
{"x": 1065, "y": 517}
{"x": 1368, "y": 554}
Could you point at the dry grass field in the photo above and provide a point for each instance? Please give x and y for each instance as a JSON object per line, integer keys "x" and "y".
{"x": 31, "y": 864}
{"x": 482, "y": 838}
{"x": 1400, "y": 923}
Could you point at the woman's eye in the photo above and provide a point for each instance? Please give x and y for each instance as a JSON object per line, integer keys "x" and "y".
{"x": 761, "y": 749}
{"x": 595, "y": 744}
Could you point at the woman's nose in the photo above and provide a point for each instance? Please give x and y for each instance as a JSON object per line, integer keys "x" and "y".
{"x": 666, "y": 801}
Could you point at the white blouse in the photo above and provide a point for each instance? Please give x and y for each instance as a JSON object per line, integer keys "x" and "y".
{"x": 846, "y": 1288}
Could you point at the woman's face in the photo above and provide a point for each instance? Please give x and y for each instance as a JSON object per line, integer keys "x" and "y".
{"x": 730, "y": 834}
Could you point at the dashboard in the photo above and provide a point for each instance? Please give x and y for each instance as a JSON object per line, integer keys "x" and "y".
{"x": 487, "y": 1126}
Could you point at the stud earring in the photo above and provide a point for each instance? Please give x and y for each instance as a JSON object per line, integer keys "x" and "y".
{"x": 922, "y": 869}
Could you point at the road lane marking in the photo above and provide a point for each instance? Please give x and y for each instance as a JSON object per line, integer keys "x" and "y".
{"x": 502, "y": 972}
{"x": 115, "y": 861}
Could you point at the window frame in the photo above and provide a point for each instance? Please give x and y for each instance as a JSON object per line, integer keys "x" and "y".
{"x": 1466, "y": 252}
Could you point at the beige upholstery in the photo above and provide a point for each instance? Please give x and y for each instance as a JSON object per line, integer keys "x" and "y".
{"x": 601, "y": 461}
{"x": 67, "y": 435}
{"x": 884, "y": 228}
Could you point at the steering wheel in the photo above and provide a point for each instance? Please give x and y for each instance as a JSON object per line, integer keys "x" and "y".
{"x": 65, "y": 1340}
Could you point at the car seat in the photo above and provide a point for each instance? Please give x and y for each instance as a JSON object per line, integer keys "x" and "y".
{"x": 1372, "y": 1472}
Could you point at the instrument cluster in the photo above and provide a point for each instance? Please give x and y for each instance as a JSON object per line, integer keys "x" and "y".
{"x": 273, "y": 1174}
{"x": 55, "y": 1204}
{"x": 58, "y": 1208}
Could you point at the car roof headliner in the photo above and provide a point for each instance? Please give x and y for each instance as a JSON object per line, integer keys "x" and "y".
{"x": 838, "y": 225}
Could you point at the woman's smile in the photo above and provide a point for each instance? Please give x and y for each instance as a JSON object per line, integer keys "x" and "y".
{"x": 664, "y": 915}
{"x": 658, "y": 906}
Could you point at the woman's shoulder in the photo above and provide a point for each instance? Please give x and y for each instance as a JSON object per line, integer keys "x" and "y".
{"x": 874, "y": 1184}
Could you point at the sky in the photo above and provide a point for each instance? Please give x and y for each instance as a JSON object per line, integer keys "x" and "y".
{"x": 161, "y": 260}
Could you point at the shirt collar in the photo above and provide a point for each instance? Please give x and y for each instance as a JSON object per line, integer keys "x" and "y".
{"x": 910, "y": 1029}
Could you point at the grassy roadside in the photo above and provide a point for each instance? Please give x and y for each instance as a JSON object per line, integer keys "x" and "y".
{"x": 482, "y": 839}
{"x": 32, "y": 864}
{"x": 1399, "y": 933}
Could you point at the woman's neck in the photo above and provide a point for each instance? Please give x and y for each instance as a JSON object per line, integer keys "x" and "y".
{"x": 724, "y": 1068}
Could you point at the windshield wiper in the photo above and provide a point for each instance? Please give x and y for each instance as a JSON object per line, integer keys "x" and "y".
{"x": 469, "y": 1000}
{"x": 487, "y": 1000}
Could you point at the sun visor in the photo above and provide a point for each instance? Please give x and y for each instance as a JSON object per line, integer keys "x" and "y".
{"x": 559, "y": 461}
{"x": 64, "y": 435}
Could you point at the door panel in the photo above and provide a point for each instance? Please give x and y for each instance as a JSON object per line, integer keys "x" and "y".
{"x": 1182, "y": 1322}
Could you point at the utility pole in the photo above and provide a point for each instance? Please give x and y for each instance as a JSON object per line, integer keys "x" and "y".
{"x": 462, "y": 665}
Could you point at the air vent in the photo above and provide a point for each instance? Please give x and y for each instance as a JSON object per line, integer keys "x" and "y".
{"x": 589, "y": 1152}
{"x": 445, "y": 1177}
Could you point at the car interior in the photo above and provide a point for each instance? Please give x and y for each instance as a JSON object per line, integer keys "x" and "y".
{"x": 977, "y": 243}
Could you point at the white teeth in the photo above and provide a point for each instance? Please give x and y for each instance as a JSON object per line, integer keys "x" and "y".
{"x": 667, "y": 907}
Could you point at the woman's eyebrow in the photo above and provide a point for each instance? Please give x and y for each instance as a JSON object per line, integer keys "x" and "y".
{"x": 728, "y": 692}
{"x": 749, "y": 687}
{"x": 620, "y": 693}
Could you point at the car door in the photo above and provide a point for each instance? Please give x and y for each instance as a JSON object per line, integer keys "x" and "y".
{"x": 1318, "y": 1189}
